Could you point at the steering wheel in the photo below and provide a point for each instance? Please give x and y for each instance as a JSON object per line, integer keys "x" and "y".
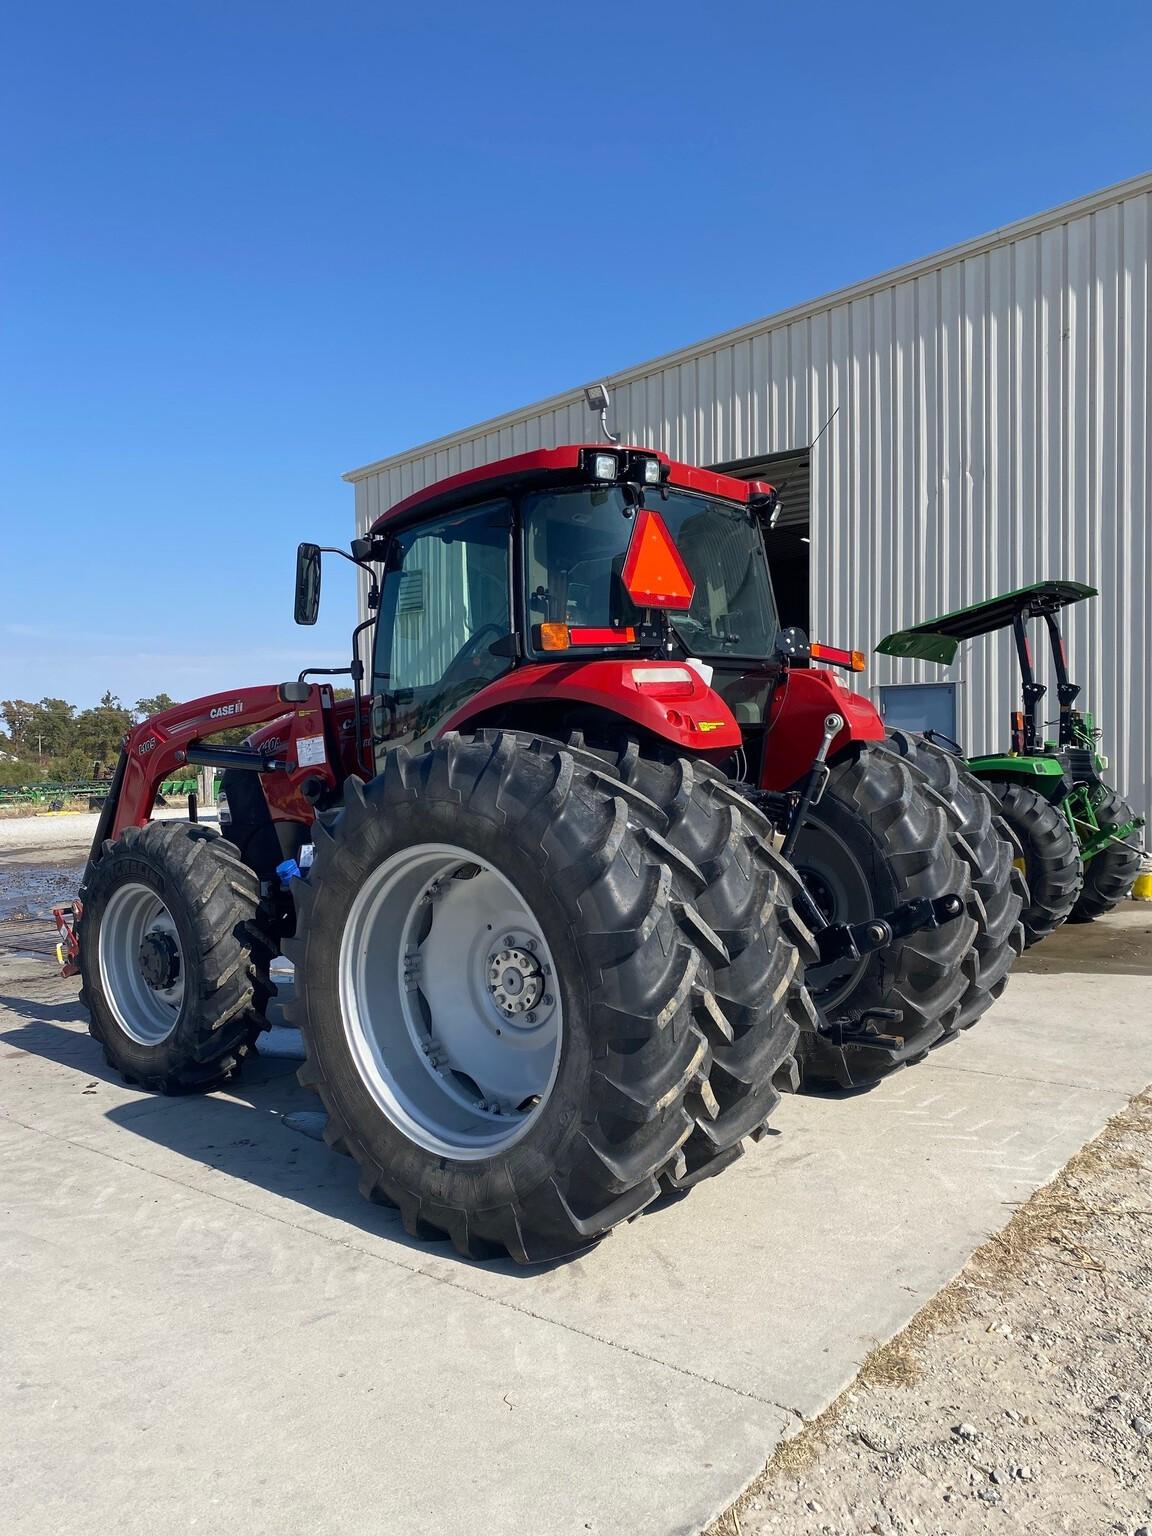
{"x": 468, "y": 650}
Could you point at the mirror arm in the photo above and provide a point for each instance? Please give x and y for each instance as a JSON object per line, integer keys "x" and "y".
{"x": 330, "y": 549}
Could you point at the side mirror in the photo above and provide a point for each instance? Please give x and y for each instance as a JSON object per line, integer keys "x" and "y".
{"x": 307, "y": 583}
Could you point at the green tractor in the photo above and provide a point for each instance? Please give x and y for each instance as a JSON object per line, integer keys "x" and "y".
{"x": 1077, "y": 836}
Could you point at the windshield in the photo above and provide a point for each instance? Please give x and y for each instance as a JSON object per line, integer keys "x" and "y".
{"x": 576, "y": 541}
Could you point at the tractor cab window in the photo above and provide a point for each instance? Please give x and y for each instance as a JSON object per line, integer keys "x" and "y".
{"x": 576, "y": 542}
{"x": 444, "y": 601}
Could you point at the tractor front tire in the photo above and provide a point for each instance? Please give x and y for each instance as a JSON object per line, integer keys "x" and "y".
{"x": 517, "y": 1012}
{"x": 984, "y": 841}
{"x": 1110, "y": 874}
{"x": 881, "y": 836}
{"x": 174, "y": 973}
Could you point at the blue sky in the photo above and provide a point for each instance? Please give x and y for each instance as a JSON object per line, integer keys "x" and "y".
{"x": 249, "y": 246}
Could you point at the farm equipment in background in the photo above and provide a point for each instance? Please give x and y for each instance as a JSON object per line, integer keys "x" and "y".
{"x": 1077, "y": 835}
{"x": 549, "y": 949}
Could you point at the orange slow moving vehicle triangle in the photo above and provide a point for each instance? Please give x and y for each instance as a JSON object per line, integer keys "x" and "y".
{"x": 654, "y": 574}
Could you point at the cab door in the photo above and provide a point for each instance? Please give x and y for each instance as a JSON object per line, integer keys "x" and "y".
{"x": 445, "y": 602}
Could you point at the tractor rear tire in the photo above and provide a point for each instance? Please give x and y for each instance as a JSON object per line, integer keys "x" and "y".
{"x": 174, "y": 971}
{"x": 1110, "y": 874}
{"x": 661, "y": 1044}
{"x": 1050, "y": 856}
{"x": 744, "y": 892}
{"x": 881, "y": 836}
{"x": 986, "y": 844}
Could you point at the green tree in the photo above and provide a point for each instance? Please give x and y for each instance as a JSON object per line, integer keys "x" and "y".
{"x": 98, "y": 732}
{"x": 18, "y": 770}
{"x": 146, "y": 708}
{"x": 50, "y": 731}
{"x": 18, "y": 715}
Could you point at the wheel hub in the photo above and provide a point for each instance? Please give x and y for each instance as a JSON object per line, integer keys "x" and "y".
{"x": 515, "y": 980}
{"x": 820, "y": 893}
{"x": 451, "y": 1001}
{"x": 159, "y": 960}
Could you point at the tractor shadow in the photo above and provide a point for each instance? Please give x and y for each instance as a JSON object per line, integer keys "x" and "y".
{"x": 240, "y": 1131}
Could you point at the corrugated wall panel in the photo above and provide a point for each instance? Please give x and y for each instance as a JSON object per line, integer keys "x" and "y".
{"x": 992, "y": 421}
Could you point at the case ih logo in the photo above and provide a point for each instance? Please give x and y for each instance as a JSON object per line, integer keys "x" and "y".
{"x": 226, "y": 709}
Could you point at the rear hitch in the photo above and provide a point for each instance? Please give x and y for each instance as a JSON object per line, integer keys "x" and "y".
{"x": 858, "y": 1049}
{"x": 852, "y": 941}
{"x": 855, "y": 1050}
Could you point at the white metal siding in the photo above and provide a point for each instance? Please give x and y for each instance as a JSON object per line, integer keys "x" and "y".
{"x": 993, "y": 414}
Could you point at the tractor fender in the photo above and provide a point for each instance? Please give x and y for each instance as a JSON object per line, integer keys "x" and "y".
{"x": 662, "y": 698}
{"x": 802, "y": 699}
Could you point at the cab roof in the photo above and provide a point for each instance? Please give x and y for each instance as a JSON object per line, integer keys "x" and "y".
{"x": 547, "y": 464}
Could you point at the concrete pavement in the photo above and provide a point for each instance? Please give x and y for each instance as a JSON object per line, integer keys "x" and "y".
{"x": 205, "y": 1329}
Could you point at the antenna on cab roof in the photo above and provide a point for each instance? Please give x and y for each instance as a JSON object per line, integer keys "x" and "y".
{"x": 598, "y": 400}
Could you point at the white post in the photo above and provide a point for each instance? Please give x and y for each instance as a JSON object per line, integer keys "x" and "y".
{"x": 206, "y": 788}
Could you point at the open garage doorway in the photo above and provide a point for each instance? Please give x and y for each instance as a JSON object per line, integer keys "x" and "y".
{"x": 790, "y": 473}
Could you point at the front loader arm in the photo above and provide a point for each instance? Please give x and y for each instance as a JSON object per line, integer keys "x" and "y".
{"x": 152, "y": 751}
{"x": 174, "y": 739}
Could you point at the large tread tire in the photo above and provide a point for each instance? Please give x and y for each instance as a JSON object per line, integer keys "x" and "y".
{"x": 901, "y": 835}
{"x": 985, "y": 842}
{"x": 1049, "y": 853}
{"x": 1110, "y": 874}
{"x": 744, "y": 892}
{"x": 662, "y": 1066}
{"x": 213, "y": 898}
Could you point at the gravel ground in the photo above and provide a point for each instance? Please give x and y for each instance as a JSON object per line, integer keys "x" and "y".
{"x": 30, "y": 836}
{"x": 1018, "y": 1400}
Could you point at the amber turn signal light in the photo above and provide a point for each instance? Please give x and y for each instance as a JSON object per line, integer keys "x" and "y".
{"x": 853, "y": 660}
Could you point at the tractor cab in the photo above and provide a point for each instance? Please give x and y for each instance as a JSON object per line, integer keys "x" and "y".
{"x": 587, "y": 582}
{"x": 608, "y": 590}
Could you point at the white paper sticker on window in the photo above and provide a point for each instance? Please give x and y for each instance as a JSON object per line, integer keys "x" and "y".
{"x": 310, "y": 751}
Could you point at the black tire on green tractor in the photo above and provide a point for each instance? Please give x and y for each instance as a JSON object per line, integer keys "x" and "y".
{"x": 534, "y": 994}
{"x": 881, "y": 836}
{"x": 174, "y": 970}
{"x": 1110, "y": 874}
{"x": 1049, "y": 854}
{"x": 987, "y": 845}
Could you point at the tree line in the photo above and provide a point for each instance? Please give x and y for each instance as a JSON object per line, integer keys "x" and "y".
{"x": 56, "y": 741}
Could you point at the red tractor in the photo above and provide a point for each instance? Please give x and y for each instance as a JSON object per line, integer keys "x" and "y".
{"x": 553, "y": 882}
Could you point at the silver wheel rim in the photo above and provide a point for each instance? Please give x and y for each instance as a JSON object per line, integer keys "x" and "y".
{"x": 449, "y": 1001}
{"x": 135, "y": 916}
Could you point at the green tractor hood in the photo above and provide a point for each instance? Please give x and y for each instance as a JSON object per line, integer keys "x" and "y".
{"x": 939, "y": 639}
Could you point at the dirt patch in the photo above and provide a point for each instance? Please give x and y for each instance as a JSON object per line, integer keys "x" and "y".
{"x": 29, "y": 889}
{"x": 1017, "y": 1399}
{"x": 1120, "y": 945}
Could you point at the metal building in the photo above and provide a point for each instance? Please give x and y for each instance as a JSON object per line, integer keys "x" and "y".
{"x": 947, "y": 431}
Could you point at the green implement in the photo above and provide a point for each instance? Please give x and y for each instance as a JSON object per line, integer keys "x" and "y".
{"x": 1077, "y": 837}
